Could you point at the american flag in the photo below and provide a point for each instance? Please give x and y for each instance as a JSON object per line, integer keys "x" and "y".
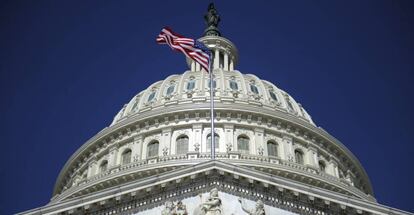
{"x": 190, "y": 47}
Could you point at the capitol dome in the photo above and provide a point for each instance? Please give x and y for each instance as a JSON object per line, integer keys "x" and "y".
{"x": 157, "y": 150}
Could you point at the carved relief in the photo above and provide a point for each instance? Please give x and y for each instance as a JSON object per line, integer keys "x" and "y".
{"x": 260, "y": 150}
{"x": 258, "y": 210}
{"x": 181, "y": 209}
{"x": 171, "y": 209}
{"x": 165, "y": 151}
{"x": 211, "y": 206}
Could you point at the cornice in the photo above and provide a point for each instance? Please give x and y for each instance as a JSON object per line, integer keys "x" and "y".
{"x": 225, "y": 169}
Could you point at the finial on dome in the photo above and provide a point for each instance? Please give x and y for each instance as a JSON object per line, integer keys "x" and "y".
{"x": 212, "y": 20}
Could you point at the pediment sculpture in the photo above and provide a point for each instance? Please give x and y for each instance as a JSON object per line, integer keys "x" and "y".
{"x": 211, "y": 206}
{"x": 174, "y": 209}
{"x": 257, "y": 210}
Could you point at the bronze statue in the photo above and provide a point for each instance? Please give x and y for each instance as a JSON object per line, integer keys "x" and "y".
{"x": 212, "y": 20}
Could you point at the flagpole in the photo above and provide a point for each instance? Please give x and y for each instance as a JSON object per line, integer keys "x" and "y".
{"x": 212, "y": 135}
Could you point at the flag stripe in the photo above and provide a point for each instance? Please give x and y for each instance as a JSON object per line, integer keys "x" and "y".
{"x": 189, "y": 47}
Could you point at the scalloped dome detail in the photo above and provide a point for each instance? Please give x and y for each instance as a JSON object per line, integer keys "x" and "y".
{"x": 230, "y": 86}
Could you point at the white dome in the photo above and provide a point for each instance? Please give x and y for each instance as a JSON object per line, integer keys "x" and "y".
{"x": 249, "y": 89}
{"x": 168, "y": 126}
{"x": 158, "y": 154}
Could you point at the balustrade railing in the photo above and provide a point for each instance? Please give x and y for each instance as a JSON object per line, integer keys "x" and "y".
{"x": 236, "y": 156}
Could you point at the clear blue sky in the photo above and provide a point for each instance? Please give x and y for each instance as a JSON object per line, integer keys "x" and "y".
{"x": 67, "y": 67}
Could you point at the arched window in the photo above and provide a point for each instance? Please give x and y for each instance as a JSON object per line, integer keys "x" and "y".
{"x": 289, "y": 105}
{"x": 170, "y": 90}
{"x": 84, "y": 175}
{"x": 152, "y": 149}
{"x": 126, "y": 157}
{"x": 322, "y": 166}
{"x": 182, "y": 145}
{"x": 135, "y": 106}
{"x": 216, "y": 142}
{"x": 104, "y": 166}
{"x": 298, "y": 156}
{"x": 233, "y": 85}
{"x": 209, "y": 83}
{"x": 254, "y": 89}
{"x": 273, "y": 95}
{"x": 151, "y": 96}
{"x": 272, "y": 149}
{"x": 191, "y": 84}
{"x": 243, "y": 144}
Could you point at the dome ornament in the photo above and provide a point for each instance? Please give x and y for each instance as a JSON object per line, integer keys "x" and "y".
{"x": 212, "y": 20}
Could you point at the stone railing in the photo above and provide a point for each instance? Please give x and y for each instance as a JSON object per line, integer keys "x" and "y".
{"x": 194, "y": 157}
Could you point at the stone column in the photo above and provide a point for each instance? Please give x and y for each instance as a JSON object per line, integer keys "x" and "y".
{"x": 137, "y": 148}
{"x": 257, "y": 146}
{"x": 197, "y": 138}
{"x": 166, "y": 142}
{"x": 231, "y": 66}
{"x": 226, "y": 61}
{"x": 216, "y": 59}
{"x": 286, "y": 151}
{"x": 193, "y": 67}
{"x": 311, "y": 158}
{"x": 332, "y": 168}
{"x": 113, "y": 155}
{"x": 229, "y": 136}
{"x": 350, "y": 177}
{"x": 197, "y": 67}
{"x": 92, "y": 168}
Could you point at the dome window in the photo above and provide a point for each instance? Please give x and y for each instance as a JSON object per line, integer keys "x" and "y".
{"x": 170, "y": 90}
{"x": 322, "y": 166}
{"x": 216, "y": 142}
{"x": 152, "y": 149}
{"x": 209, "y": 83}
{"x": 298, "y": 156}
{"x": 271, "y": 149}
{"x": 104, "y": 166}
{"x": 182, "y": 145}
{"x": 135, "y": 106}
{"x": 126, "y": 157}
{"x": 254, "y": 89}
{"x": 151, "y": 96}
{"x": 273, "y": 95}
{"x": 243, "y": 144}
{"x": 233, "y": 85}
{"x": 289, "y": 105}
{"x": 191, "y": 84}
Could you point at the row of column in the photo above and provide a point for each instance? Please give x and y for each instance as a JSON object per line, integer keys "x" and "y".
{"x": 310, "y": 157}
{"x": 286, "y": 150}
{"x": 226, "y": 63}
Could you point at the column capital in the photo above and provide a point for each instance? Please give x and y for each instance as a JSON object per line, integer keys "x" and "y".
{"x": 166, "y": 130}
{"x": 138, "y": 138}
{"x": 311, "y": 148}
{"x": 228, "y": 126}
{"x": 197, "y": 126}
{"x": 287, "y": 137}
{"x": 259, "y": 130}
